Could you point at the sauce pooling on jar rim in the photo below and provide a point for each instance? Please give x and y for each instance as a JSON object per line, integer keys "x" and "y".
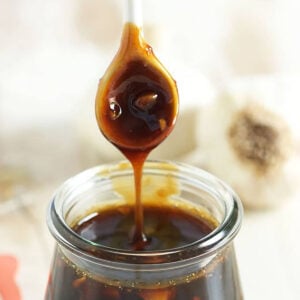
{"x": 136, "y": 108}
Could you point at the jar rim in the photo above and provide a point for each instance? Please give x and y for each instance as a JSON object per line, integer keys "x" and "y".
{"x": 206, "y": 246}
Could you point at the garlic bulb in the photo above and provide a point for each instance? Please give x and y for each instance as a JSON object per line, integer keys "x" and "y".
{"x": 248, "y": 138}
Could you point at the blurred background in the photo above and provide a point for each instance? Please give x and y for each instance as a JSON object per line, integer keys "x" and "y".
{"x": 237, "y": 67}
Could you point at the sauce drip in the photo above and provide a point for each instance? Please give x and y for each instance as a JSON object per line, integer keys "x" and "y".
{"x": 136, "y": 109}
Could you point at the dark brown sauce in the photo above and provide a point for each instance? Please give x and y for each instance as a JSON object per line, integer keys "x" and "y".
{"x": 136, "y": 109}
{"x": 166, "y": 227}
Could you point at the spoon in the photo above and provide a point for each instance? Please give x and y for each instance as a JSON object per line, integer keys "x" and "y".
{"x": 137, "y": 99}
{"x": 136, "y": 103}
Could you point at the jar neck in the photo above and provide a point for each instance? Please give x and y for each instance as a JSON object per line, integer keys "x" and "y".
{"x": 193, "y": 185}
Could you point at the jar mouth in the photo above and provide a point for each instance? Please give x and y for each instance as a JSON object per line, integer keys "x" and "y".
{"x": 192, "y": 179}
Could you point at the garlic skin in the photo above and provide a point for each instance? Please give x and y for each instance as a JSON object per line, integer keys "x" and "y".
{"x": 246, "y": 139}
{"x": 260, "y": 139}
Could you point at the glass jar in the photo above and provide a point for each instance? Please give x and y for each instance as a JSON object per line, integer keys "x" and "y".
{"x": 203, "y": 270}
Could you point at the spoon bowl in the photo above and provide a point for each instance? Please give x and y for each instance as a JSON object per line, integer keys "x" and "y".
{"x": 137, "y": 99}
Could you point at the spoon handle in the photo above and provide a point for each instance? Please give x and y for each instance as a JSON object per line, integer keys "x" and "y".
{"x": 133, "y": 12}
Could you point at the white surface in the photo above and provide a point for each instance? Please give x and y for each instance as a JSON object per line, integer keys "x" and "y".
{"x": 268, "y": 248}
